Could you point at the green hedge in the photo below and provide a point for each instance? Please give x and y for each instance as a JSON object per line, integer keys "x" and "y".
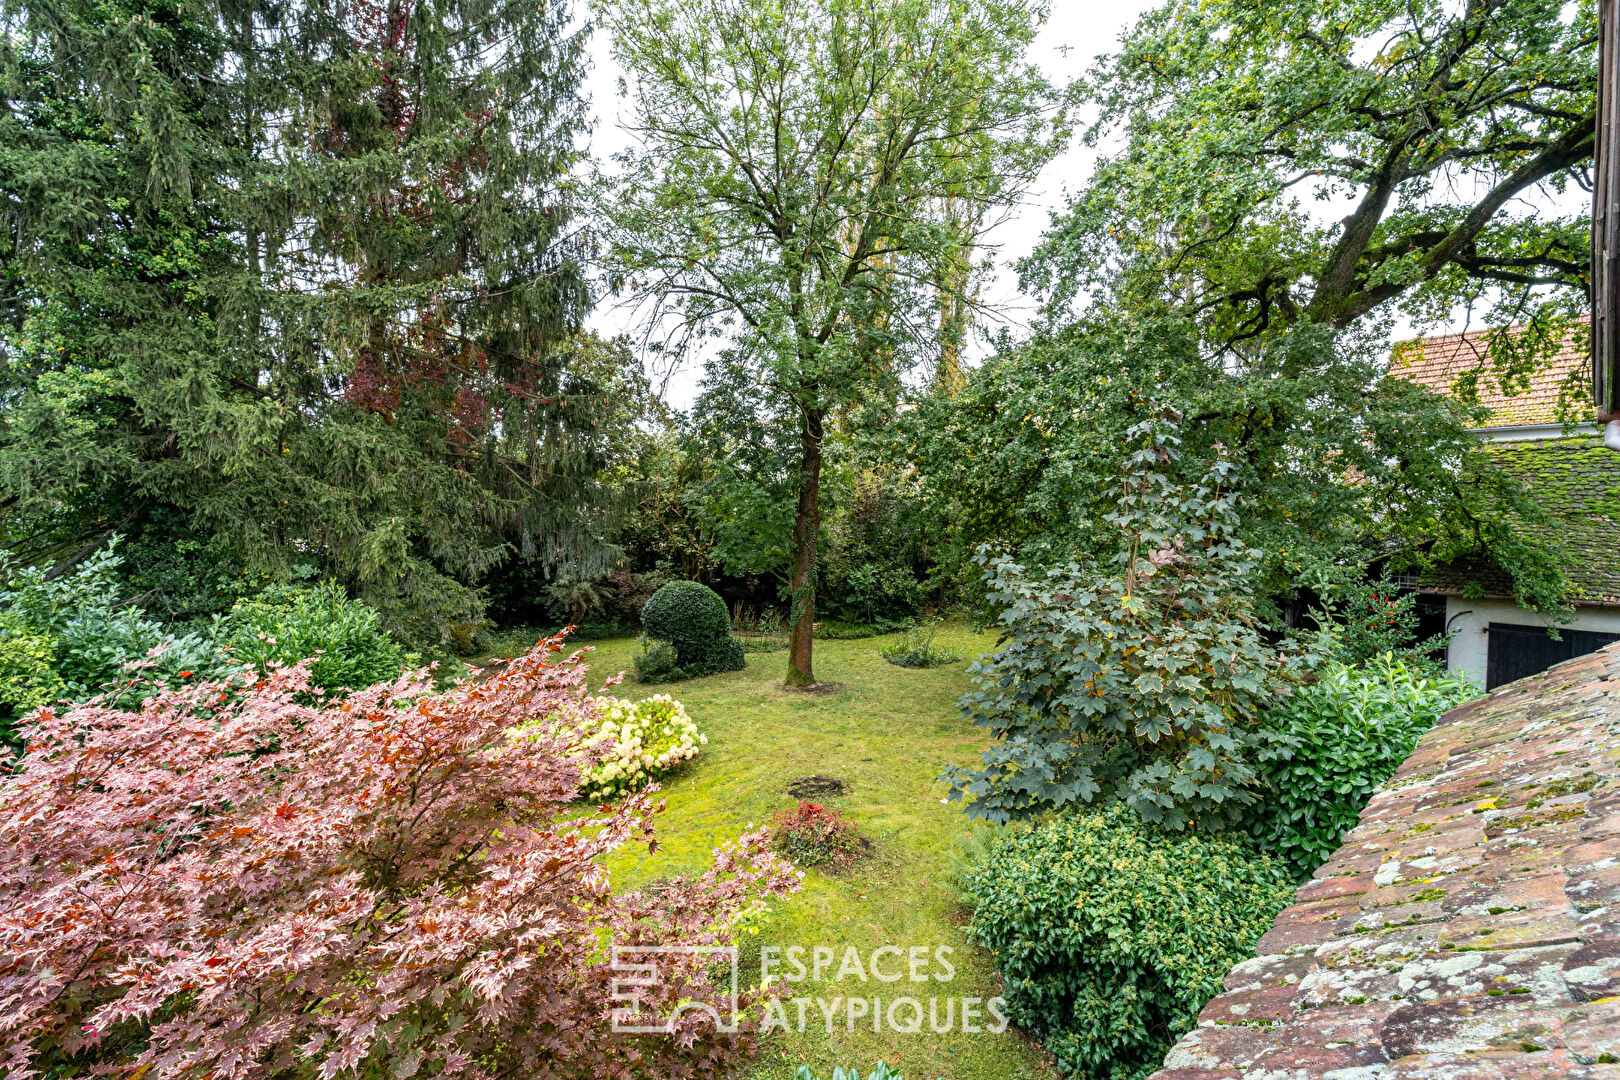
{"x": 1111, "y": 934}
{"x": 1341, "y": 737}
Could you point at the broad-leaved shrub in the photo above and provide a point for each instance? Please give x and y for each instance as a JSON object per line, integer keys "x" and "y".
{"x": 1343, "y": 736}
{"x": 28, "y": 678}
{"x": 1371, "y": 618}
{"x": 1141, "y": 679}
{"x": 235, "y": 883}
{"x": 882, "y": 1072}
{"x": 96, "y": 633}
{"x": 640, "y": 742}
{"x": 693, "y": 620}
{"x": 344, "y": 637}
{"x": 815, "y": 835}
{"x": 1112, "y": 934}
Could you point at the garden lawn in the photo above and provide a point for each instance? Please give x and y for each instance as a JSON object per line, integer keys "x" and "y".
{"x": 889, "y": 733}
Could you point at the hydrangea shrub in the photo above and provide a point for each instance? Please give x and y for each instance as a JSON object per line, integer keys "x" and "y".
{"x": 240, "y": 881}
{"x": 640, "y": 741}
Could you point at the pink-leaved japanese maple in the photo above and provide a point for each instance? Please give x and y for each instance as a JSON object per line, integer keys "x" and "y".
{"x": 232, "y": 882}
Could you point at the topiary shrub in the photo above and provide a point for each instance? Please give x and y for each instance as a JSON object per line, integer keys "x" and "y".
{"x": 1112, "y": 934}
{"x": 693, "y": 619}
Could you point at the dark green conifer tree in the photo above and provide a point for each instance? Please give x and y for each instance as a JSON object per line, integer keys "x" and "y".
{"x": 303, "y": 273}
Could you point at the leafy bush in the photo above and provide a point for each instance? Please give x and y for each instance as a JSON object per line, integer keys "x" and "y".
{"x": 915, "y": 649}
{"x": 1143, "y": 681}
{"x": 28, "y": 678}
{"x": 97, "y": 634}
{"x": 1343, "y": 736}
{"x": 285, "y": 625}
{"x": 1112, "y": 934}
{"x": 812, "y": 834}
{"x": 656, "y": 662}
{"x": 1378, "y": 617}
{"x": 322, "y": 888}
{"x": 629, "y": 593}
{"x": 180, "y": 578}
{"x": 642, "y": 741}
{"x": 693, "y": 619}
{"x": 882, "y": 1072}
{"x": 840, "y": 630}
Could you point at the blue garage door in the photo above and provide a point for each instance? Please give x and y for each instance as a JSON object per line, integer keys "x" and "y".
{"x": 1517, "y": 651}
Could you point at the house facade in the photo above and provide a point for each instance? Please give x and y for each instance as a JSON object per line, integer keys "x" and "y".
{"x": 1542, "y": 430}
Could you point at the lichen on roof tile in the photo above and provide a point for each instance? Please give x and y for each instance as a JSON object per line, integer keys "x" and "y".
{"x": 1448, "y": 938}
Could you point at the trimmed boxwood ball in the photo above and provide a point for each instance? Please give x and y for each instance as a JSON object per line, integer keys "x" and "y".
{"x": 1112, "y": 934}
{"x": 693, "y": 619}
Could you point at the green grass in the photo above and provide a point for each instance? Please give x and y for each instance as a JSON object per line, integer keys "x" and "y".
{"x": 889, "y": 734}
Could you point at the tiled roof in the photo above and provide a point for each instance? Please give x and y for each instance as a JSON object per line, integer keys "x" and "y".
{"x": 1577, "y": 481}
{"x": 1469, "y": 927}
{"x": 1460, "y": 365}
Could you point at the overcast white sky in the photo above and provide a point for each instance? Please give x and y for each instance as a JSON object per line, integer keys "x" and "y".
{"x": 1077, "y": 32}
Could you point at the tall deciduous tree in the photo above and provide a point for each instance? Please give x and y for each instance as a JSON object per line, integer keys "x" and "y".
{"x": 1440, "y": 129}
{"x": 301, "y": 271}
{"x": 805, "y": 179}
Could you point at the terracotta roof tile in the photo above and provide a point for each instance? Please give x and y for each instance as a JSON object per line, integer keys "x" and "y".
{"x": 1469, "y": 926}
{"x": 1456, "y": 363}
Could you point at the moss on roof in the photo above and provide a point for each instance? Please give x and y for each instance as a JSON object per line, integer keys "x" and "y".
{"x": 1577, "y": 481}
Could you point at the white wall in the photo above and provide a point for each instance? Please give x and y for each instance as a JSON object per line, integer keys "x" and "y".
{"x": 1469, "y": 622}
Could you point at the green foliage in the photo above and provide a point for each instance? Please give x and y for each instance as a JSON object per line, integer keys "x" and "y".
{"x": 840, "y": 630}
{"x": 95, "y": 631}
{"x": 1329, "y": 453}
{"x": 178, "y": 578}
{"x": 693, "y": 620}
{"x": 285, "y": 625}
{"x": 809, "y": 181}
{"x": 300, "y": 283}
{"x": 915, "y": 648}
{"x": 1111, "y": 935}
{"x": 579, "y": 596}
{"x": 1341, "y": 737}
{"x": 882, "y": 1072}
{"x": 1235, "y": 116}
{"x": 815, "y": 835}
{"x": 28, "y": 676}
{"x": 657, "y": 662}
{"x": 1139, "y": 679}
{"x": 1375, "y": 618}
{"x": 874, "y": 554}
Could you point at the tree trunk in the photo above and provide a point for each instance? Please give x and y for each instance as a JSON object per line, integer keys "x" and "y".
{"x": 806, "y": 527}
